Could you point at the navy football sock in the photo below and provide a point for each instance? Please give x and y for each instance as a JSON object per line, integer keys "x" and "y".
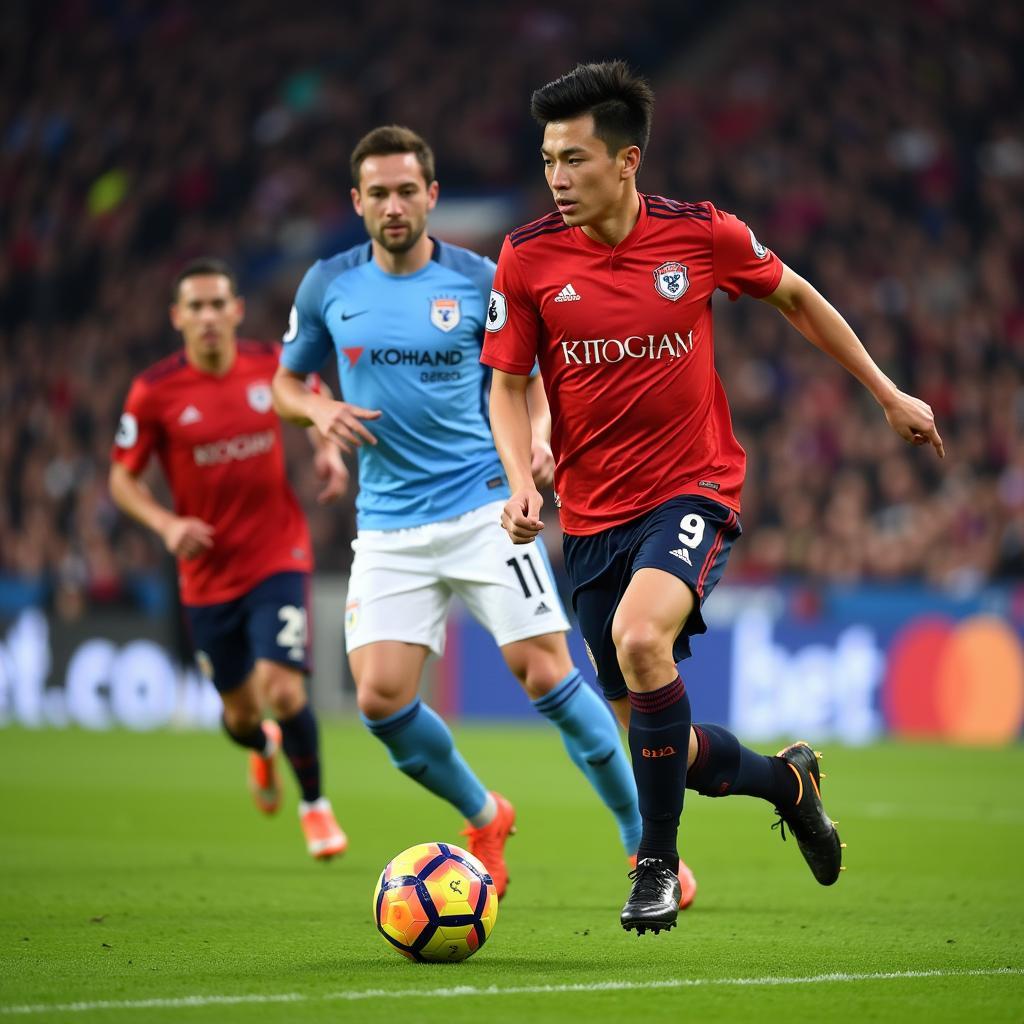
{"x": 659, "y": 742}
{"x": 302, "y": 748}
{"x": 724, "y": 767}
{"x": 254, "y": 739}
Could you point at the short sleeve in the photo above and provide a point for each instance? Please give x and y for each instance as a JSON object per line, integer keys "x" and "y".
{"x": 743, "y": 266}
{"x": 312, "y": 379}
{"x": 513, "y": 323}
{"x": 307, "y": 344}
{"x": 138, "y": 431}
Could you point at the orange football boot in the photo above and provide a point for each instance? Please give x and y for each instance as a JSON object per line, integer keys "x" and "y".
{"x": 324, "y": 837}
{"x": 487, "y": 843}
{"x": 263, "y": 778}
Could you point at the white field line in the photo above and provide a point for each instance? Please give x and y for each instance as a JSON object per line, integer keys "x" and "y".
{"x": 489, "y": 991}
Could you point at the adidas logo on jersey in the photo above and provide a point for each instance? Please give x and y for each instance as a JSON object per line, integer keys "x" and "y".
{"x": 683, "y": 554}
{"x": 541, "y": 609}
{"x": 568, "y": 294}
{"x": 190, "y": 414}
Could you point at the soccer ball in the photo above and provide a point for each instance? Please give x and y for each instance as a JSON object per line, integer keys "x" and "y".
{"x": 435, "y": 903}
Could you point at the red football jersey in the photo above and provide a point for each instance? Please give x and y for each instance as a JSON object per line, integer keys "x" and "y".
{"x": 219, "y": 442}
{"x": 624, "y": 340}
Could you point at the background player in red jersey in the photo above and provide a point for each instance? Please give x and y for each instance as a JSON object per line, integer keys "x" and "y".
{"x": 612, "y": 294}
{"x": 237, "y": 531}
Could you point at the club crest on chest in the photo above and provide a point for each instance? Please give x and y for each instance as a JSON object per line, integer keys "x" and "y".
{"x": 671, "y": 280}
{"x": 445, "y": 314}
{"x": 259, "y": 397}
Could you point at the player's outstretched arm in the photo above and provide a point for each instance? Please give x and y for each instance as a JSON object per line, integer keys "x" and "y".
{"x": 822, "y": 325}
{"x": 510, "y": 424}
{"x": 183, "y": 536}
{"x": 337, "y": 422}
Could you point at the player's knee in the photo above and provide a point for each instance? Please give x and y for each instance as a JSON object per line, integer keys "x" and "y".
{"x": 378, "y": 699}
{"x": 639, "y": 647}
{"x": 241, "y": 716}
{"x": 538, "y": 680}
{"x": 539, "y": 665}
{"x": 540, "y": 675}
{"x": 285, "y": 692}
{"x": 537, "y": 688}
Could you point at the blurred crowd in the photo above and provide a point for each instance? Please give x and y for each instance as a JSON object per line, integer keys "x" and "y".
{"x": 880, "y": 153}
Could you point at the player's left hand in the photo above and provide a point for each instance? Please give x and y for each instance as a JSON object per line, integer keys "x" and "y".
{"x": 331, "y": 469}
{"x": 542, "y": 463}
{"x": 520, "y": 518}
{"x": 914, "y": 421}
{"x": 341, "y": 423}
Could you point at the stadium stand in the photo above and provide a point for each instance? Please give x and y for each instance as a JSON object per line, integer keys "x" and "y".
{"x": 136, "y": 136}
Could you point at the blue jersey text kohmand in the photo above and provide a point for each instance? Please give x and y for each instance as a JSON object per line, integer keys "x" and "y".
{"x": 408, "y": 345}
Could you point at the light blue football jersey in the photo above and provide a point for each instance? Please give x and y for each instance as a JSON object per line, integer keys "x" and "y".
{"x": 408, "y": 345}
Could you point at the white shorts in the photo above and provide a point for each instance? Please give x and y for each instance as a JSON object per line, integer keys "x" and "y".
{"x": 402, "y": 582}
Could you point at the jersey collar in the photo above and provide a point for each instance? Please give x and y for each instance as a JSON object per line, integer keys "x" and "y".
{"x": 630, "y": 240}
{"x": 435, "y": 258}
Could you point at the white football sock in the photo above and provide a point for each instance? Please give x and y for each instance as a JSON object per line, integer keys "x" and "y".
{"x": 486, "y": 814}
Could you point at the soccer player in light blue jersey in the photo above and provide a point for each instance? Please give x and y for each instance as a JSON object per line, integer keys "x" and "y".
{"x": 404, "y": 315}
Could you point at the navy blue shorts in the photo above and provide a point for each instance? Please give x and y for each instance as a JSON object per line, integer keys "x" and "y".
{"x": 689, "y": 537}
{"x": 270, "y": 621}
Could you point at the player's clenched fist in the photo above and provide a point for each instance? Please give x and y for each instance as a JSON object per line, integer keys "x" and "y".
{"x": 341, "y": 423}
{"x": 521, "y": 516}
{"x": 186, "y": 536}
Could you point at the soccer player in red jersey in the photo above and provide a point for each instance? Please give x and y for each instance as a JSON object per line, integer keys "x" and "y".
{"x": 611, "y": 293}
{"x": 237, "y": 531}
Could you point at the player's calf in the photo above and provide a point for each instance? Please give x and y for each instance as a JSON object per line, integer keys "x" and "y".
{"x": 591, "y": 739}
{"x": 300, "y": 741}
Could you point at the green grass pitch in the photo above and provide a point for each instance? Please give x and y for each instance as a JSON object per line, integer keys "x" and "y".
{"x": 137, "y": 883}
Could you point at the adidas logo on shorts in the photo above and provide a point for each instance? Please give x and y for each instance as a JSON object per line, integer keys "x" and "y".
{"x": 683, "y": 554}
{"x": 541, "y": 609}
{"x": 568, "y": 294}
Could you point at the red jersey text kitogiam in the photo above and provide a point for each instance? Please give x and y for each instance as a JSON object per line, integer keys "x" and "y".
{"x": 624, "y": 340}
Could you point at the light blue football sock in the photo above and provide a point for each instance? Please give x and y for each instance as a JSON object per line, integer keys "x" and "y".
{"x": 591, "y": 736}
{"x": 422, "y": 746}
